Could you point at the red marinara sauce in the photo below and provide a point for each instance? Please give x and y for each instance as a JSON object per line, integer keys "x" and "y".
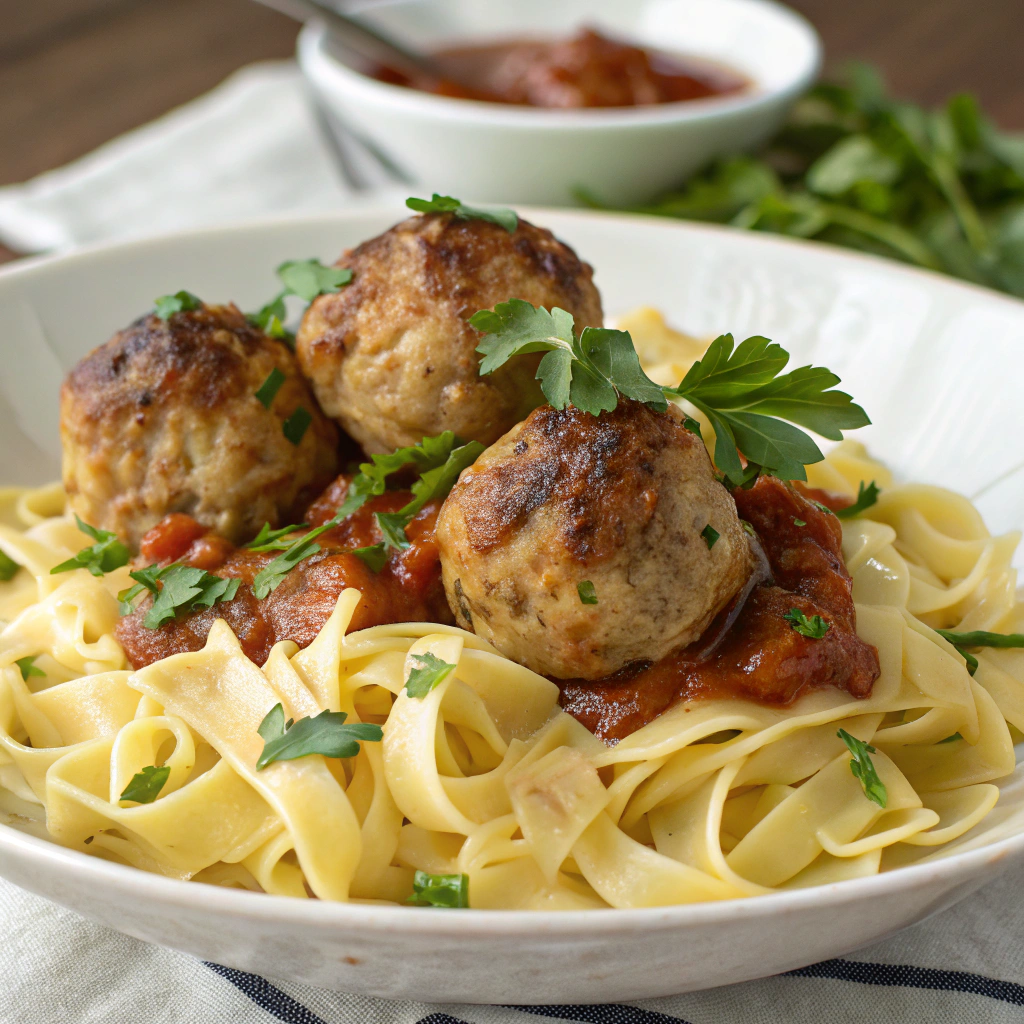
{"x": 587, "y": 70}
{"x": 407, "y": 589}
{"x": 761, "y": 657}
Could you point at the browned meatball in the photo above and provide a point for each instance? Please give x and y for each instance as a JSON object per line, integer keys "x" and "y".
{"x": 621, "y": 501}
{"x": 164, "y": 418}
{"x": 392, "y": 357}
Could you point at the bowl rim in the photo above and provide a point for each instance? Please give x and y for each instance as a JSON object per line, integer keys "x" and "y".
{"x": 324, "y": 70}
{"x": 79, "y": 868}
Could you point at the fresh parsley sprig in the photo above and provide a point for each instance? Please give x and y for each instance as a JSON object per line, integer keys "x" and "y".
{"x": 428, "y": 672}
{"x": 176, "y": 588}
{"x": 273, "y": 540}
{"x": 741, "y": 389}
{"x": 179, "y": 302}
{"x": 499, "y": 215}
{"x": 106, "y": 555}
{"x": 863, "y": 768}
{"x": 866, "y": 497}
{"x": 8, "y": 568}
{"x": 979, "y": 638}
{"x": 305, "y": 278}
{"x": 813, "y": 627}
{"x": 447, "y": 891}
{"x": 145, "y": 786}
{"x": 327, "y": 733}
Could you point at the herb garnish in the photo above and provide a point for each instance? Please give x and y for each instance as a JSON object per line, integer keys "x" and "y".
{"x": 305, "y": 278}
{"x": 799, "y": 522}
{"x": 296, "y": 425}
{"x": 814, "y": 627}
{"x": 499, "y": 215}
{"x": 863, "y": 768}
{"x": 951, "y": 739}
{"x": 8, "y": 568}
{"x": 268, "y": 390}
{"x": 374, "y": 556}
{"x": 979, "y": 638}
{"x": 866, "y": 497}
{"x": 327, "y": 733}
{"x": 106, "y": 555}
{"x": 271, "y": 540}
{"x": 587, "y": 592}
{"x": 179, "y": 302}
{"x": 176, "y": 588}
{"x": 428, "y": 672}
{"x": 447, "y": 891}
{"x": 145, "y": 786}
{"x": 27, "y": 666}
{"x": 740, "y": 389}
{"x": 710, "y": 535}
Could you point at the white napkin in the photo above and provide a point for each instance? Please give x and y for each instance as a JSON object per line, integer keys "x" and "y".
{"x": 249, "y": 148}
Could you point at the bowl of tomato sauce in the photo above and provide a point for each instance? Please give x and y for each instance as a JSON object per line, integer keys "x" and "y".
{"x": 541, "y": 101}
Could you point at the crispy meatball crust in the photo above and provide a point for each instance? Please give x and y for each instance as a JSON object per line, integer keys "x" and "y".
{"x": 619, "y": 500}
{"x": 392, "y": 357}
{"x": 164, "y": 418}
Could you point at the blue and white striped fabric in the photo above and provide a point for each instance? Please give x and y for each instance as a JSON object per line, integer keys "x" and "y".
{"x": 965, "y": 966}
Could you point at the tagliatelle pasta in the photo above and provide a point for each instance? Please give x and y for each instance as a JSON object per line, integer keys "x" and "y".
{"x": 485, "y": 775}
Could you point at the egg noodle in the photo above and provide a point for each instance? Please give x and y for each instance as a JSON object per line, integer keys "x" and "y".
{"x": 485, "y": 775}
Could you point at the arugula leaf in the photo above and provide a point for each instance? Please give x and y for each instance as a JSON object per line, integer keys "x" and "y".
{"x": 271, "y": 540}
{"x": 27, "y": 667}
{"x": 179, "y": 302}
{"x": 447, "y": 891}
{"x": 499, "y": 215}
{"x": 374, "y": 556}
{"x": 296, "y": 425}
{"x": 310, "y": 278}
{"x": 106, "y": 555}
{"x": 327, "y": 733}
{"x": 587, "y": 592}
{"x": 710, "y": 535}
{"x": 866, "y": 497}
{"x": 267, "y": 391}
{"x": 979, "y": 638}
{"x": 863, "y": 768}
{"x": 429, "y": 672}
{"x": 145, "y": 786}
{"x": 814, "y": 627}
{"x": 8, "y": 568}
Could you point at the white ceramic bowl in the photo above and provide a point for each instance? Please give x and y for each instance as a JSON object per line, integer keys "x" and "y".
{"x": 525, "y": 155}
{"x": 905, "y": 343}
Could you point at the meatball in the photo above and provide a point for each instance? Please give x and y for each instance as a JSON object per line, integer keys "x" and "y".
{"x": 392, "y": 356}
{"x": 164, "y": 418}
{"x": 622, "y": 501}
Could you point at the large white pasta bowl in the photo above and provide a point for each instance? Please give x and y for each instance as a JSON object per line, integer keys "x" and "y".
{"x": 938, "y": 366}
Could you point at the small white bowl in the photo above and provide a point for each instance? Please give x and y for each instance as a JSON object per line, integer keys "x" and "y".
{"x": 527, "y": 155}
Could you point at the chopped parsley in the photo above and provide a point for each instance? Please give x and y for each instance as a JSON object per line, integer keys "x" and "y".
{"x": 27, "y": 667}
{"x": 305, "y": 278}
{"x": 176, "y": 588}
{"x": 799, "y": 522}
{"x": 863, "y": 768}
{"x": 866, "y": 497}
{"x": 587, "y": 592}
{"x": 428, "y": 672}
{"x": 740, "y": 388}
{"x": 268, "y": 390}
{"x": 106, "y": 555}
{"x": 814, "y": 627}
{"x": 145, "y": 786}
{"x": 179, "y": 302}
{"x": 327, "y": 733}
{"x": 270, "y": 319}
{"x": 374, "y": 556}
{"x": 8, "y": 568}
{"x": 273, "y": 540}
{"x": 748, "y": 528}
{"x": 951, "y": 739}
{"x": 499, "y": 215}
{"x": 392, "y": 526}
{"x": 693, "y": 426}
{"x": 979, "y": 638}
{"x": 710, "y": 535}
{"x": 297, "y": 424}
{"x": 447, "y": 891}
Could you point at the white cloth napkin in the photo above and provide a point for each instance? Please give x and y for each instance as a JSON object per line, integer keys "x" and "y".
{"x": 252, "y": 147}
{"x": 249, "y": 148}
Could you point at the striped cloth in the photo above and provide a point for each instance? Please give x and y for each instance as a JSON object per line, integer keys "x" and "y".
{"x": 965, "y": 966}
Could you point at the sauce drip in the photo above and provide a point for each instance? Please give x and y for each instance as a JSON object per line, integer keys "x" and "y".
{"x": 588, "y": 70}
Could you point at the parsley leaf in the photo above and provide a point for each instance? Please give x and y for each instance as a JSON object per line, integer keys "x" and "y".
{"x": 799, "y": 522}
{"x": 710, "y": 535}
{"x": 270, "y": 319}
{"x": 951, "y": 739}
{"x": 8, "y": 568}
{"x": 863, "y": 769}
{"x": 147, "y": 579}
{"x": 27, "y": 667}
{"x": 428, "y": 673}
{"x": 310, "y": 278}
{"x": 587, "y": 592}
{"x": 499, "y": 215}
{"x": 271, "y": 540}
{"x": 447, "y": 891}
{"x": 145, "y": 786}
{"x": 176, "y": 588}
{"x": 814, "y": 627}
{"x": 179, "y": 302}
{"x": 107, "y": 554}
{"x": 374, "y": 556}
{"x": 866, "y": 497}
{"x": 268, "y": 390}
{"x": 296, "y": 425}
{"x": 327, "y": 733}
{"x": 269, "y": 578}
{"x": 392, "y": 525}
{"x": 979, "y": 638}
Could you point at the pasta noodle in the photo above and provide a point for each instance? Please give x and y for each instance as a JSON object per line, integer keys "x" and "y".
{"x": 485, "y": 775}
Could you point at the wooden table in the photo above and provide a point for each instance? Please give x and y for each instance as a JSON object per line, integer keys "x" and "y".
{"x": 75, "y": 73}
